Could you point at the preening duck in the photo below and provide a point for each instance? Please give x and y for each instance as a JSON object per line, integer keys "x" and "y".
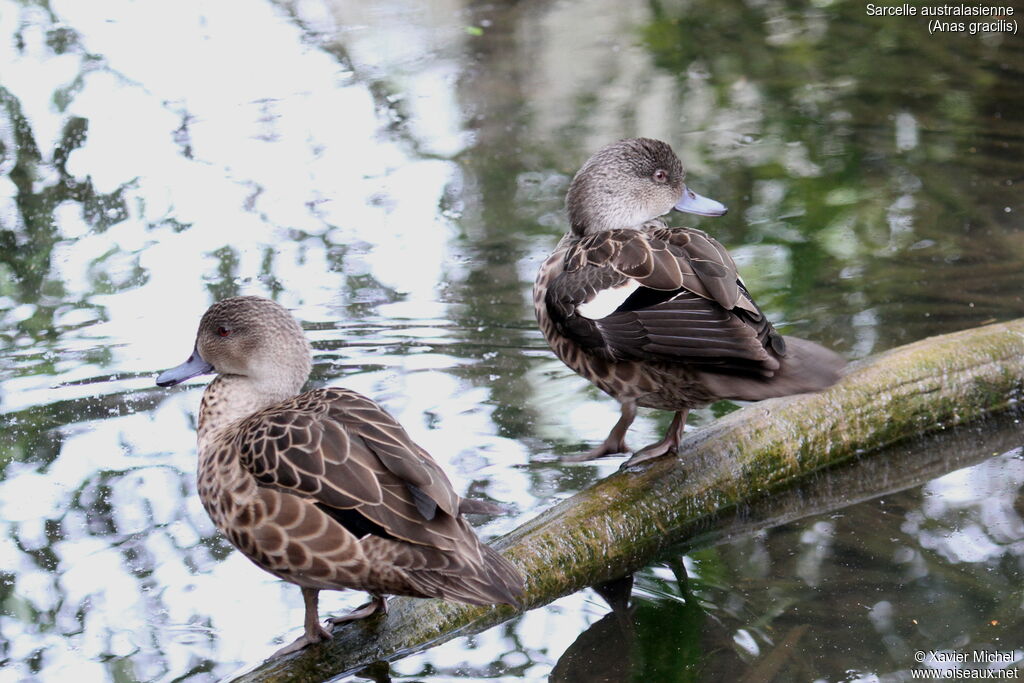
{"x": 658, "y": 316}
{"x": 325, "y": 489}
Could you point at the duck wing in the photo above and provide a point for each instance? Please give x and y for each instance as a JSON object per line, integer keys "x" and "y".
{"x": 335, "y": 454}
{"x": 662, "y": 294}
{"x": 346, "y": 455}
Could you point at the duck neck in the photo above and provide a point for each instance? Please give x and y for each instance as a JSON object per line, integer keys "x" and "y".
{"x": 229, "y": 398}
{"x": 578, "y": 231}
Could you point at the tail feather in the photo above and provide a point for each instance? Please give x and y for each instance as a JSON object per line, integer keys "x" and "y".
{"x": 805, "y": 367}
{"x": 506, "y": 580}
{"x": 475, "y": 506}
{"x": 495, "y": 580}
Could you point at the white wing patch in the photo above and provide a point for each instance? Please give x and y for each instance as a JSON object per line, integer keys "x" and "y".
{"x": 606, "y": 301}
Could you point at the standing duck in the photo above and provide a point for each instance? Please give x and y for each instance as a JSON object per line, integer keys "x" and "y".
{"x": 658, "y": 316}
{"x": 325, "y": 489}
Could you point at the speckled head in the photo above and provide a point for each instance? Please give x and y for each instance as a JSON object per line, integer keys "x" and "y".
{"x": 251, "y": 337}
{"x": 628, "y": 183}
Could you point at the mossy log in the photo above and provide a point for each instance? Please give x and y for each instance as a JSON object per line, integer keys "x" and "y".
{"x": 624, "y": 522}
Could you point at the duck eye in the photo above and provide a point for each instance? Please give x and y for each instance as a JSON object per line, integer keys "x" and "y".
{"x": 660, "y": 176}
{"x": 223, "y": 331}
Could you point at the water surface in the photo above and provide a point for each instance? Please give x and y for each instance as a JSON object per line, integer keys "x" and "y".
{"x": 393, "y": 172}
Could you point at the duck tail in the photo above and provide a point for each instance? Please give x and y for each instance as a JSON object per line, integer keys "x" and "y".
{"x": 506, "y": 581}
{"x": 489, "y": 581}
{"x": 806, "y": 366}
{"x": 475, "y": 506}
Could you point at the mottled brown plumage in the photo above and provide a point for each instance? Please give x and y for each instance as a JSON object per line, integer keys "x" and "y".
{"x": 658, "y": 316}
{"x": 325, "y": 489}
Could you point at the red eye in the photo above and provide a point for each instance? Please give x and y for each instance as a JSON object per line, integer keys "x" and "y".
{"x": 223, "y": 331}
{"x": 660, "y": 176}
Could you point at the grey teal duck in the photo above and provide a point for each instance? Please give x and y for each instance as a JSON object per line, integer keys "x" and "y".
{"x": 658, "y": 316}
{"x": 325, "y": 489}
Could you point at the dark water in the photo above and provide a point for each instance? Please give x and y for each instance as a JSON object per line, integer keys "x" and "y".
{"x": 393, "y": 172}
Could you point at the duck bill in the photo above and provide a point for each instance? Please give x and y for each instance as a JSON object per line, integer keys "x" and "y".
{"x": 691, "y": 202}
{"x": 195, "y": 365}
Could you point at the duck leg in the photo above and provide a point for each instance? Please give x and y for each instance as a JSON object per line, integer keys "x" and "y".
{"x": 615, "y": 442}
{"x": 669, "y": 445}
{"x": 377, "y": 604}
{"x": 315, "y": 633}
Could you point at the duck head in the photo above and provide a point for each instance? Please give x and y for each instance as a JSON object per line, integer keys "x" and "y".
{"x": 629, "y": 183}
{"x": 251, "y": 337}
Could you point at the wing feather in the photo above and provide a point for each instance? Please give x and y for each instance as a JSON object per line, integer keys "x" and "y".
{"x": 690, "y": 307}
{"x": 349, "y": 457}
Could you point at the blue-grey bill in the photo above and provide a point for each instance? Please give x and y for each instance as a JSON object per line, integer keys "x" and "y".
{"x": 195, "y": 365}
{"x": 691, "y": 202}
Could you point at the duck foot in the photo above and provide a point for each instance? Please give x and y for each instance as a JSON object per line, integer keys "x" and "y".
{"x": 315, "y": 633}
{"x": 648, "y": 453}
{"x": 667, "y": 446}
{"x": 615, "y": 442}
{"x": 608, "y": 447}
{"x": 377, "y": 604}
{"x": 318, "y": 636}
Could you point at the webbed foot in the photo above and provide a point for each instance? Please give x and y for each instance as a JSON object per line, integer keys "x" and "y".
{"x": 615, "y": 442}
{"x": 377, "y": 604}
{"x": 312, "y": 636}
{"x": 669, "y": 445}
